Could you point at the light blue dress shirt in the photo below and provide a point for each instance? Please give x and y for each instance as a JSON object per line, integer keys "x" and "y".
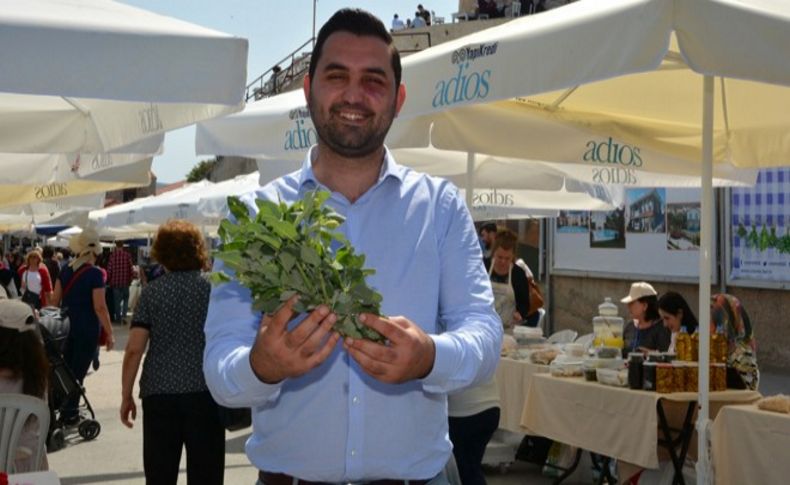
{"x": 337, "y": 423}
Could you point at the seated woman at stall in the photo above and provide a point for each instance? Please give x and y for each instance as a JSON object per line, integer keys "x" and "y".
{"x": 645, "y": 332}
{"x": 509, "y": 282}
{"x": 676, "y": 313}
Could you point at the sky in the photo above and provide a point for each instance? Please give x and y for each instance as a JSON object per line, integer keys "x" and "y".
{"x": 274, "y": 29}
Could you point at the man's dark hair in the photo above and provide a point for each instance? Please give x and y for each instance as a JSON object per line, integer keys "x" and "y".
{"x": 488, "y": 227}
{"x": 47, "y": 252}
{"x": 651, "y": 312}
{"x": 358, "y": 22}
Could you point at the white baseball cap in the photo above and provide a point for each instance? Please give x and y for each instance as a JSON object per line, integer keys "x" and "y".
{"x": 16, "y": 315}
{"x": 640, "y": 289}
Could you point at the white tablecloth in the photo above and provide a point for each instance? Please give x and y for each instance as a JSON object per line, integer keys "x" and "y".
{"x": 750, "y": 446}
{"x": 513, "y": 379}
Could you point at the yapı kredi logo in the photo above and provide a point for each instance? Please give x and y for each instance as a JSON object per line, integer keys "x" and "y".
{"x": 467, "y": 84}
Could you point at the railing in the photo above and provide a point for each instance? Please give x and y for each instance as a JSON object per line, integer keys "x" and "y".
{"x": 275, "y": 79}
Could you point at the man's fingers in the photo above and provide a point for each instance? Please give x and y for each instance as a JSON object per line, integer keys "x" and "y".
{"x": 307, "y": 327}
{"x": 381, "y": 353}
{"x": 370, "y": 365}
{"x": 278, "y": 321}
{"x": 324, "y": 352}
{"x": 386, "y": 327}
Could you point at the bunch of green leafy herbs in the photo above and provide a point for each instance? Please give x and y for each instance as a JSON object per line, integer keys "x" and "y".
{"x": 286, "y": 250}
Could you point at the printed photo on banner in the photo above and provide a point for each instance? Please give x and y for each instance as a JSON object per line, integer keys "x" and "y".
{"x": 646, "y": 210}
{"x": 570, "y": 222}
{"x": 607, "y": 229}
{"x": 683, "y": 221}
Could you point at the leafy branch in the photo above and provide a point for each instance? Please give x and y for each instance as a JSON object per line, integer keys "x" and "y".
{"x": 285, "y": 250}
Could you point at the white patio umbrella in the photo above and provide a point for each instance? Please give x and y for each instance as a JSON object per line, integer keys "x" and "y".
{"x": 65, "y": 211}
{"x": 145, "y": 214}
{"x": 94, "y": 75}
{"x": 40, "y": 177}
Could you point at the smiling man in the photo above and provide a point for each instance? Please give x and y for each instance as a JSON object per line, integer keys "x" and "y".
{"x": 357, "y": 411}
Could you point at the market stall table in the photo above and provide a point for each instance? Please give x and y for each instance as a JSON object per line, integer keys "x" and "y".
{"x": 750, "y": 446}
{"x": 513, "y": 378}
{"x": 617, "y": 422}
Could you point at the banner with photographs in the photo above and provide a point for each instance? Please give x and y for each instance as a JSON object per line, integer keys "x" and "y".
{"x": 760, "y": 228}
{"x": 655, "y": 232}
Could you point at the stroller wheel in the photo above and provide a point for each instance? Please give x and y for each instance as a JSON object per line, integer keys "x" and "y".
{"x": 89, "y": 429}
{"x": 56, "y": 440}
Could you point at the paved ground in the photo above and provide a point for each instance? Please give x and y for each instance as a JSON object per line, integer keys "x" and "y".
{"x": 115, "y": 457}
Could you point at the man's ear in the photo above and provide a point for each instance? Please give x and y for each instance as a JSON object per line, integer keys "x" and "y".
{"x": 306, "y": 88}
{"x": 400, "y": 98}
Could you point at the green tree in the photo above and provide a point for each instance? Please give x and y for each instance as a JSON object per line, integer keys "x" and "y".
{"x": 202, "y": 170}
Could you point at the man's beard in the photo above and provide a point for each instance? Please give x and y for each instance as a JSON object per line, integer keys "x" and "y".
{"x": 351, "y": 141}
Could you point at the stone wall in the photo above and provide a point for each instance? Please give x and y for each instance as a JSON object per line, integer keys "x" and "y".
{"x": 576, "y": 299}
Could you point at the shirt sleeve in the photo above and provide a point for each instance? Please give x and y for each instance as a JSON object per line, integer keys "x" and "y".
{"x": 142, "y": 312}
{"x": 46, "y": 282}
{"x": 467, "y": 352}
{"x": 521, "y": 290}
{"x": 231, "y": 328}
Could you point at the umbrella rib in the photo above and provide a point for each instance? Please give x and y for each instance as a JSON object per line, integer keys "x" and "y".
{"x": 725, "y": 113}
{"x": 556, "y": 104}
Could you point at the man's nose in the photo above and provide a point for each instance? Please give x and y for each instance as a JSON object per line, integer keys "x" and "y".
{"x": 353, "y": 93}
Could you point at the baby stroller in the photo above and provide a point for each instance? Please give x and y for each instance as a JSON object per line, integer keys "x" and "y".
{"x": 54, "y": 327}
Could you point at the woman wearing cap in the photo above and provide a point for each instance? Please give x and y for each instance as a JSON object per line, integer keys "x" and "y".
{"x": 178, "y": 410}
{"x": 34, "y": 276}
{"x": 23, "y": 370}
{"x": 647, "y": 331}
{"x": 80, "y": 289}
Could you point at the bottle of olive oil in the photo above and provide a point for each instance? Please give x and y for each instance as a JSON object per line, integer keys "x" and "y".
{"x": 683, "y": 345}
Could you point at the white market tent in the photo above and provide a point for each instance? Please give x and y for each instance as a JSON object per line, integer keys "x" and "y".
{"x": 64, "y": 211}
{"x": 731, "y": 62}
{"x": 95, "y": 75}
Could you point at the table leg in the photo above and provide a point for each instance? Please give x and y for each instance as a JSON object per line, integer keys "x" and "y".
{"x": 683, "y": 439}
{"x": 566, "y": 472}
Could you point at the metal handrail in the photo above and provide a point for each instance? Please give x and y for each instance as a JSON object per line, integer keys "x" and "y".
{"x": 272, "y": 81}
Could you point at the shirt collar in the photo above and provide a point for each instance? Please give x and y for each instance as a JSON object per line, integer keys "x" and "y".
{"x": 390, "y": 168}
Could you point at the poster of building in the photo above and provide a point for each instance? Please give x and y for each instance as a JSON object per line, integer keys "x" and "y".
{"x": 645, "y": 210}
{"x": 654, "y": 234}
{"x": 760, "y": 228}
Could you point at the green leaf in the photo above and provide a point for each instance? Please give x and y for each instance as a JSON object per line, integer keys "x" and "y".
{"x": 287, "y": 261}
{"x": 310, "y": 255}
{"x": 238, "y": 209}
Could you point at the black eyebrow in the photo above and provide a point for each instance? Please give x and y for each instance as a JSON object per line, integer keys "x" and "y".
{"x": 372, "y": 70}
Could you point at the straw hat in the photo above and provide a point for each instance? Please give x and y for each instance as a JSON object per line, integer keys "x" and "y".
{"x": 16, "y": 315}
{"x": 640, "y": 289}
{"x": 84, "y": 244}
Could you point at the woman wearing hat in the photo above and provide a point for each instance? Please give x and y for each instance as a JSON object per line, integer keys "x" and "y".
{"x": 647, "y": 331}
{"x": 23, "y": 370}
{"x": 80, "y": 289}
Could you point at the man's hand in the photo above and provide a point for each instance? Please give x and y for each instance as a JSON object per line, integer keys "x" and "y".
{"x": 278, "y": 353}
{"x": 409, "y": 354}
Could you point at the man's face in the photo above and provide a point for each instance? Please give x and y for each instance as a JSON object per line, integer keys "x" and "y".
{"x": 488, "y": 237}
{"x": 352, "y": 96}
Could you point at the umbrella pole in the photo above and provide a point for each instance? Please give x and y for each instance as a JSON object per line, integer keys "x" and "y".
{"x": 706, "y": 247}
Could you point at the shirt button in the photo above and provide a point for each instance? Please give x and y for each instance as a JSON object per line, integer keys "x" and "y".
{"x": 353, "y": 452}
{"x": 355, "y": 400}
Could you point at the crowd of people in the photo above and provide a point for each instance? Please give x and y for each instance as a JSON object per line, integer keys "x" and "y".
{"x": 422, "y": 18}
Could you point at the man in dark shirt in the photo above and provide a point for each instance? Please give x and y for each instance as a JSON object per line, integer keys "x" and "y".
{"x": 51, "y": 264}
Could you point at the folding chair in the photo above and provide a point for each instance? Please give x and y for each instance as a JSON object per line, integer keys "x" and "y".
{"x": 15, "y": 409}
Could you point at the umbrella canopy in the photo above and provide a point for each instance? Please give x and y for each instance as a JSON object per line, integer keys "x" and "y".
{"x": 64, "y": 211}
{"x": 94, "y": 75}
{"x": 30, "y": 178}
{"x": 143, "y": 215}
